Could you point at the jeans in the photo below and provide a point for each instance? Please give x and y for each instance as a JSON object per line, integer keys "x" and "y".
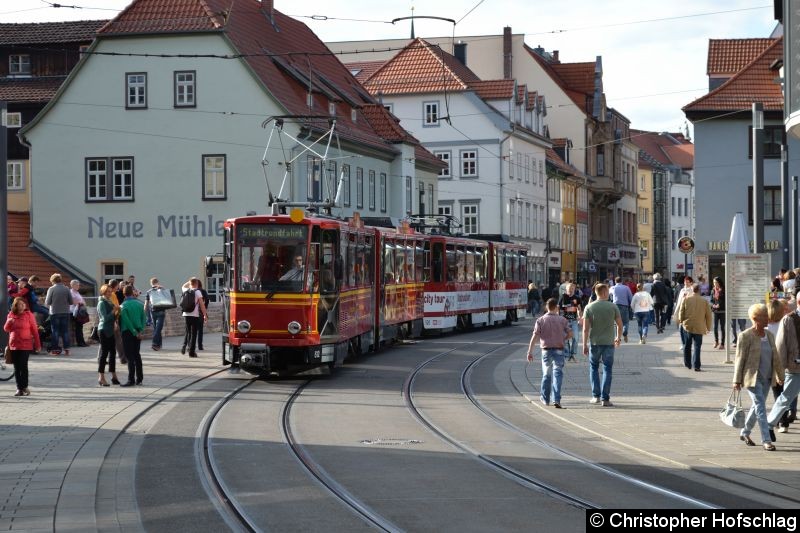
{"x": 132, "y": 345}
{"x": 791, "y": 387}
{"x": 604, "y": 354}
{"x": 742, "y": 326}
{"x": 691, "y": 359}
{"x": 190, "y": 338}
{"x": 158, "y": 324}
{"x": 59, "y": 325}
{"x": 571, "y": 346}
{"x": 719, "y": 322}
{"x": 624, "y": 311}
{"x": 759, "y": 409}
{"x": 644, "y": 322}
{"x": 552, "y": 364}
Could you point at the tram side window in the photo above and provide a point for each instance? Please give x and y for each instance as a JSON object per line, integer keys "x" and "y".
{"x": 368, "y": 260}
{"x": 329, "y": 270}
{"x": 388, "y": 262}
{"x": 523, "y": 266}
{"x": 426, "y": 270}
{"x": 352, "y": 267}
{"x": 452, "y": 268}
{"x": 438, "y": 262}
{"x": 480, "y": 264}
{"x": 419, "y": 262}
{"x": 400, "y": 257}
{"x": 510, "y": 274}
{"x": 409, "y": 271}
{"x": 499, "y": 265}
{"x": 470, "y": 266}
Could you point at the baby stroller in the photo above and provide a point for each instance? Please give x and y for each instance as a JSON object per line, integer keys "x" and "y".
{"x": 46, "y": 333}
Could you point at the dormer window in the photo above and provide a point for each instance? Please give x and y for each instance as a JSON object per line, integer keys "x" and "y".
{"x": 331, "y": 108}
{"x": 19, "y": 65}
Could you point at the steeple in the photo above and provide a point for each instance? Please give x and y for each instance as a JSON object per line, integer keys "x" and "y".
{"x": 412, "y": 23}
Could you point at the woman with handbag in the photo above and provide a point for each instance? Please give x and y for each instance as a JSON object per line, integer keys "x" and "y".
{"x": 23, "y": 338}
{"x": 757, "y": 367}
{"x": 106, "y": 319}
{"x": 78, "y": 314}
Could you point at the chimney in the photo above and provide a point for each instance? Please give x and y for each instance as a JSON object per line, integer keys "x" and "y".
{"x": 460, "y": 52}
{"x": 555, "y": 56}
{"x": 507, "y": 73}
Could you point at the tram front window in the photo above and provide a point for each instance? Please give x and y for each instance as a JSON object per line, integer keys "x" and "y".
{"x": 271, "y": 257}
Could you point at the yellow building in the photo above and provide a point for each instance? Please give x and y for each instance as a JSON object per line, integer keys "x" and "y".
{"x": 644, "y": 204}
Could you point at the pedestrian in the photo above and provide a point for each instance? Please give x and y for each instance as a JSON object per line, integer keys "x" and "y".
{"x": 685, "y": 291}
{"x": 569, "y": 306}
{"x": 622, "y": 296}
{"x": 599, "y": 320}
{"x": 12, "y": 289}
{"x": 200, "y": 325}
{"x": 547, "y": 293}
{"x": 642, "y": 306}
{"x": 788, "y": 344}
{"x": 156, "y": 315}
{"x": 533, "y": 294}
{"x": 23, "y": 338}
{"x": 132, "y": 322}
{"x": 59, "y": 300}
{"x": 131, "y": 282}
{"x": 718, "y": 309}
{"x": 117, "y": 298}
{"x": 27, "y": 289}
{"x": 106, "y": 327}
{"x": 76, "y": 313}
{"x": 704, "y": 288}
{"x": 662, "y": 295}
{"x": 757, "y": 367}
{"x": 192, "y": 317}
{"x": 694, "y": 316}
{"x": 790, "y": 283}
{"x": 552, "y": 331}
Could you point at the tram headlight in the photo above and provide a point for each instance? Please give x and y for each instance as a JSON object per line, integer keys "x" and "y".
{"x": 243, "y": 326}
{"x": 294, "y": 327}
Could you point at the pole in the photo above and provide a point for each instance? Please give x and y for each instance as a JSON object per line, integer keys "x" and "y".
{"x": 785, "y": 206}
{"x": 794, "y": 228}
{"x": 758, "y": 177}
{"x": 3, "y": 217}
{"x": 685, "y": 265}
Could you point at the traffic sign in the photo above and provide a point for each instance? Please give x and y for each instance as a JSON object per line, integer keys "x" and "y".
{"x": 592, "y": 267}
{"x": 690, "y": 266}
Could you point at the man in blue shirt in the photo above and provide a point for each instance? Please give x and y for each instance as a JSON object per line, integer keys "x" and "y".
{"x": 622, "y": 296}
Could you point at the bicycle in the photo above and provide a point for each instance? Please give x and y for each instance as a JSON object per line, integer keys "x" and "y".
{"x": 6, "y": 371}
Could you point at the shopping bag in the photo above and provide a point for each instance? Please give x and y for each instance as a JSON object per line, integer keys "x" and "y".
{"x": 162, "y": 299}
{"x": 732, "y": 413}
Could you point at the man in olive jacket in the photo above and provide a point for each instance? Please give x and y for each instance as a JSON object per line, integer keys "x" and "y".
{"x": 694, "y": 315}
{"x": 789, "y": 350}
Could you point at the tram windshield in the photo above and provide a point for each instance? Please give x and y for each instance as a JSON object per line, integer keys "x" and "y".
{"x": 271, "y": 258}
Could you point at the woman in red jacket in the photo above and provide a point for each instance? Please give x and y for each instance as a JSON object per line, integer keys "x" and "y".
{"x": 24, "y": 337}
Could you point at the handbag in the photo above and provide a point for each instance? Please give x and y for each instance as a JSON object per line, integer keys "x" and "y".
{"x": 732, "y": 413}
{"x": 82, "y": 315}
{"x": 7, "y": 354}
{"x": 162, "y": 299}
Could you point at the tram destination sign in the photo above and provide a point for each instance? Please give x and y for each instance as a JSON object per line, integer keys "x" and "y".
{"x": 276, "y": 231}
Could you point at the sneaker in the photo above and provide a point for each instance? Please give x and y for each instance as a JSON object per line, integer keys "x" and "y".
{"x": 55, "y": 352}
{"x": 544, "y": 402}
{"x": 641, "y": 340}
{"x": 607, "y": 403}
{"x": 155, "y": 348}
{"x": 66, "y": 352}
{"x": 26, "y": 391}
{"x": 644, "y": 340}
{"x": 783, "y": 429}
{"x": 192, "y": 354}
{"x": 19, "y": 393}
{"x": 594, "y": 400}
{"x": 183, "y": 350}
{"x": 557, "y": 405}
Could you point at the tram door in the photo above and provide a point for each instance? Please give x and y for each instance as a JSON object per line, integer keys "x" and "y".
{"x": 330, "y": 274}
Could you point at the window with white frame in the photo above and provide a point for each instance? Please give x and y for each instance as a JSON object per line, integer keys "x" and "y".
{"x": 13, "y": 120}
{"x": 541, "y": 173}
{"x": 136, "y": 90}
{"x": 535, "y": 233}
{"x": 123, "y": 178}
{"x": 112, "y": 271}
{"x": 185, "y": 89}
{"x": 359, "y": 187}
{"x": 527, "y": 168}
{"x": 214, "y": 177}
{"x": 98, "y": 186}
{"x": 19, "y": 65}
{"x": 642, "y": 184}
{"x": 444, "y": 157}
{"x": 346, "y": 184}
{"x": 528, "y": 220}
{"x": 446, "y": 209}
{"x": 372, "y": 190}
{"x": 520, "y": 228}
{"x": 469, "y": 163}
{"x": 469, "y": 218}
{"x": 511, "y": 226}
{"x": 430, "y": 114}
{"x": 314, "y": 178}
{"x": 409, "y": 198}
{"x": 542, "y": 218}
{"x": 16, "y": 179}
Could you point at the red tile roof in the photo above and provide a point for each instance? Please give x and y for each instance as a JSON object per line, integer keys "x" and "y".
{"x": 665, "y": 148}
{"x": 22, "y": 260}
{"x": 364, "y": 69}
{"x": 79, "y": 31}
{"x": 555, "y": 159}
{"x": 582, "y": 93}
{"x": 494, "y": 89}
{"x": 285, "y": 55}
{"x": 729, "y": 56}
{"x": 388, "y": 127}
{"x": 753, "y": 83}
{"x": 420, "y": 67}
{"x": 29, "y": 90}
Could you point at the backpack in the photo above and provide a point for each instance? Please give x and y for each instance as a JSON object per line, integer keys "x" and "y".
{"x": 188, "y": 301}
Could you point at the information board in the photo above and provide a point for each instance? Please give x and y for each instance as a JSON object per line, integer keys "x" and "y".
{"x": 747, "y": 281}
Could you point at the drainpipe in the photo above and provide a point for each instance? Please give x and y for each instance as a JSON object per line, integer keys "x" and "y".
{"x": 502, "y": 196}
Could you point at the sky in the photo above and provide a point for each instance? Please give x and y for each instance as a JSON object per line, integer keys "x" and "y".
{"x": 654, "y": 52}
